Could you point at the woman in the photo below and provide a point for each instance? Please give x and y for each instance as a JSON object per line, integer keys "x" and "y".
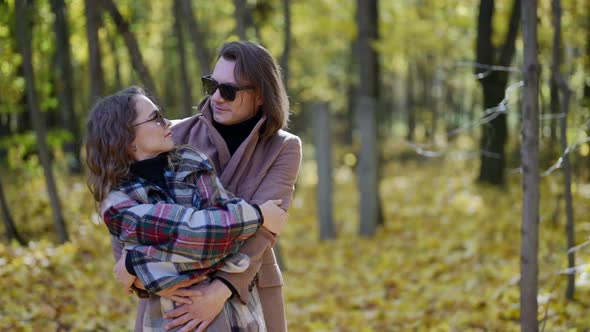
{"x": 167, "y": 207}
{"x": 240, "y": 129}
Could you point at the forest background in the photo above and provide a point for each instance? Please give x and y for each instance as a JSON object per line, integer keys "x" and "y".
{"x": 407, "y": 211}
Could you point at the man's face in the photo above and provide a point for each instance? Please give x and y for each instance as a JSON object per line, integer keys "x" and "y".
{"x": 243, "y": 107}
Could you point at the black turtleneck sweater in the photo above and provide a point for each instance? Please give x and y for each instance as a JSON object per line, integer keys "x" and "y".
{"x": 235, "y": 134}
{"x": 152, "y": 169}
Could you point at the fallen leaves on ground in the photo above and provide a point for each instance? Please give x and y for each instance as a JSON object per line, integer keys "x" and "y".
{"x": 446, "y": 259}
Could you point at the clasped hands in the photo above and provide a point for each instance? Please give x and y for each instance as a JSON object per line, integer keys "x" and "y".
{"x": 200, "y": 303}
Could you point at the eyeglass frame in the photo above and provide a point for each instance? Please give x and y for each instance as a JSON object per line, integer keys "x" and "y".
{"x": 158, "y": 118}
{"x": 233, "y": 90}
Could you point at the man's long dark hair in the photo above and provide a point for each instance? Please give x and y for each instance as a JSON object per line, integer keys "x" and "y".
{"x": 256, "y": 66}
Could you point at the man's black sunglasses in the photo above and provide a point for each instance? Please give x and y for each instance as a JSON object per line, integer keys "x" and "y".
{"x": 227, "y": 91}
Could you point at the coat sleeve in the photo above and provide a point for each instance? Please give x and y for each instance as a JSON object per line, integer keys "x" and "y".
{"x": 278, "y": 183}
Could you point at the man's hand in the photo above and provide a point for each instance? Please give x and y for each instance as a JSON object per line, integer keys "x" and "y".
{"x": 203, "y": 310}
{"x": 275, "y": 218}
{"x": 122, "y": 275}
{"x": 180, "y": 293}
{"x": 137, "y": 283}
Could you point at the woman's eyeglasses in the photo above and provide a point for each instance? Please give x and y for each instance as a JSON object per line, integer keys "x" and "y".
{"x": 227, "y": 91}
{"x": 157, "y": 118}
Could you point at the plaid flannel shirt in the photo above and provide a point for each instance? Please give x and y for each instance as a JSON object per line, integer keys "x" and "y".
{"x": 181, "y": 233}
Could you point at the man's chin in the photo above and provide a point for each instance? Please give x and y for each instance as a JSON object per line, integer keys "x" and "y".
{"x": 220, "y": 119}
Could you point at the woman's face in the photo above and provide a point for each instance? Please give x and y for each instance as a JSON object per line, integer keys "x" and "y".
{"x": 152, "y": 131}
{"x": 243, "y": 107}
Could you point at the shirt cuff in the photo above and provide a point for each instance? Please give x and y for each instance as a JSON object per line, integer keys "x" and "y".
{"x": 260, "y": 213}
{"x": 129, "y": 264}
{"x": 228, "y": 284}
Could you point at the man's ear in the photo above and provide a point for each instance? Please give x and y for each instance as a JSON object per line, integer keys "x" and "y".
{"x": 259, "y": 100}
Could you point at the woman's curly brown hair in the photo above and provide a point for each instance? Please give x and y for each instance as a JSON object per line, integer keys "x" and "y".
{"x": 109, "y": 136}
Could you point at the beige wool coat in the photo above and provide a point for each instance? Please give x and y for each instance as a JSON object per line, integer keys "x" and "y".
{"x": 259, "y": 170}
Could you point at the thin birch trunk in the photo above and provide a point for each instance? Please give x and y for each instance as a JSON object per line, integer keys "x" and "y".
{"x": 286, "y": 43}
{"x": 323, "y": 153}
{"x": 9, "y": 226}
{"x": 559, "y": 82}
{"x": 530, "y": 167}
{"x": 132, "y": 46}
{"x": 197, "y": 38}
{"x": 96, "y": 76}
{"x": 65, "y": 86}
{"x": 187, "y": 99}
{"x": 366, "y": 107}
{"x": 24, "y": 42}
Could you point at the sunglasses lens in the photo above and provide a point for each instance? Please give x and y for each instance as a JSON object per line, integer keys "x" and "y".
{"x": 209, "y": 85}
{"x": 228, "y": 92}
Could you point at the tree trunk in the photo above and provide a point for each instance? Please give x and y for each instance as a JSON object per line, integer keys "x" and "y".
{"x": 114, "y": 51}
{"x": 586, "y": 100}
{"x": 11, "y": 232}
{"x": 132, "y": 47}
{"x": 96, "y": 76}
{"x": 24, "y": 41}
{"x": 410, "y": 105}
{"x": 530, "y": 168}
{"x": 351, "y": 96}
{"x": 494, "y": 133}
{"x": 388, "y": 107}
{"x": 20, "y": 120}
{"x": 558, "y": 80}
{"x": 553, "y": 85}
{"x": 187, "y": 99}
{"x": 4, "y": 125}
{"x": 433, "y": 102}
{"x": 587, "y": 63}
{"x": 244, "y": 20}
{"x": 323, "y": 152}
{"x": 65, "y": 85}
{"x": 197, "y": 38}
{"x": 367, "y": 106}
{"x": 427, "y": 100}
{"x": 567, "y": 184}
{"x": 553, "y": 107}
{"x": 286, "y": 43}
{"x": 367, "y": 165}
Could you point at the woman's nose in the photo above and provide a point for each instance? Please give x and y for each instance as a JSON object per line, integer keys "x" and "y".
{"x": 167, "y": 123}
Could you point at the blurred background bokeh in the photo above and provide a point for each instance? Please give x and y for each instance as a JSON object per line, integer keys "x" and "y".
{"x": 407, "y": 210}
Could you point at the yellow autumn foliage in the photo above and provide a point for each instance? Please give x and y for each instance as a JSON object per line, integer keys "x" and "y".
{"x": 446, "y": 258}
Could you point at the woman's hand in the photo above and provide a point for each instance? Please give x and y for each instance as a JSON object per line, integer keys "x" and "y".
{"x": 275, "y": 218}
{"x": 122, "y": 275}
{"x": 180, "y": 293}
{"x": 203, "y": 310}
{"x": 137, "y": 283}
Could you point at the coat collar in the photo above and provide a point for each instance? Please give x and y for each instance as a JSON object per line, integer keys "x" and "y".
{"x": 190, "y": 161}
{"x": 228, "y": 162}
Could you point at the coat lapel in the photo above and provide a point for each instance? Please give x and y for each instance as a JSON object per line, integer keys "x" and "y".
{"x": 215, "y": 138}
{"x": 229, "y": 166}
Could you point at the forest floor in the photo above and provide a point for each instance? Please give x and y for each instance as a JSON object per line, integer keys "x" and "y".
{"x": 446, "y": 258}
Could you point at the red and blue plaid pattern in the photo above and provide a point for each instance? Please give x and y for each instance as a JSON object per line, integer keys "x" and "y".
{"x": 183, "y": 232}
